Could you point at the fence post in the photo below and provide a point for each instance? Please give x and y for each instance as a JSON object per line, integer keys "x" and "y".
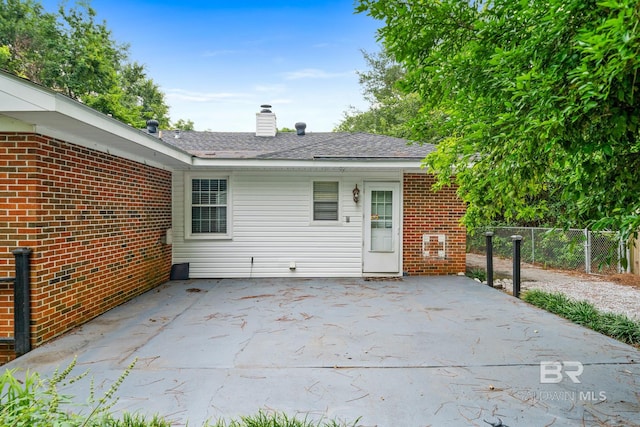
{"x": 533, "y": 246}
{"x": 623, "y": 253}
{"x": 587, "y": 251}
{"x": 627, "y": 248}
{"x": 22, "y": 301}
{"x": 489, "y": 250}
{"x": 619, "y": 266}
{"x": 517, "y": 239}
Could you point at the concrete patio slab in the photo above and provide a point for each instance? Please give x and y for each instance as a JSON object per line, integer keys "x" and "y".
{"x": 417, "y": 352}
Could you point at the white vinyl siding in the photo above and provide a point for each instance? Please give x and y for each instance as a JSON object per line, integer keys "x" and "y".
{"x": 270, "y": 215}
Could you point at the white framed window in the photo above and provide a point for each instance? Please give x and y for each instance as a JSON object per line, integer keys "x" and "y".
{"x": 207, "y": 207}
{"x": 326, "y": 206}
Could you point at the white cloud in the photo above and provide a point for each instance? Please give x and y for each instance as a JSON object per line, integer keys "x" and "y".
{"x": 212, "y": 53}
{"x": 185, "y": 95}
{"x": 314, "y": 73}
{"x": 274, "y": 88}
{"x": 282, "y": 101}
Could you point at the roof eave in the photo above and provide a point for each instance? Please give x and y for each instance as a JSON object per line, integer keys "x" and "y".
{"x": 60, "y": 117}
{"x": 315, "y": 164}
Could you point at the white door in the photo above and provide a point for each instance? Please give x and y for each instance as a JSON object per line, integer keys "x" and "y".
{"x": 381, "y": 227}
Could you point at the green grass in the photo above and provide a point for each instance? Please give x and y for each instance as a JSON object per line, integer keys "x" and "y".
{"x": 584, "y": 313}
{"x": 262, "y": 419}
{"x": 36, "y": 402}
{"x": 477, "y": 273}
{"x": 135, "y": 420}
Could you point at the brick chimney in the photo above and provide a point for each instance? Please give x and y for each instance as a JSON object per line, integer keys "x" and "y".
{"x": 266, "y": 122}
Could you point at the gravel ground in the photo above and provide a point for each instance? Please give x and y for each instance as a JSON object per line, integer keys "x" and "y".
{"x": 617, "y": 294}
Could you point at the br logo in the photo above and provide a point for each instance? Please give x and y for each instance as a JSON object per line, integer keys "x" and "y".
{"x": 552, "y": 372}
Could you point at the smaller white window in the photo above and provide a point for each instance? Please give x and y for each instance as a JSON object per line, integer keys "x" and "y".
{"x": 325, "y": 201}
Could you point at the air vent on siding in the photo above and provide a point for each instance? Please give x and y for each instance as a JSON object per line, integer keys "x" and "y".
{"x": 266, "y": 122}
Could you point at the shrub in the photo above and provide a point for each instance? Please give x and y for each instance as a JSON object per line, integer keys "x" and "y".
{"x": 477, "y": 273}
{"x": 617, "y": 326}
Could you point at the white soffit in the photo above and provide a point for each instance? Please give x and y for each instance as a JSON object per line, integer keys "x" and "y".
{"x": 60, "y": 117}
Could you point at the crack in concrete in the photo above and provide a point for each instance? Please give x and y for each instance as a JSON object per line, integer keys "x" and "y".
{"x": 149, "y": 337}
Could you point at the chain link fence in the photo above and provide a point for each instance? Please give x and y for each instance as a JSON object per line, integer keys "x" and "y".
{"x": 578, "y": 250}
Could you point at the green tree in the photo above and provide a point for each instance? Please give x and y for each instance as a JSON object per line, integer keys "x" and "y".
{"x": 184, "y": 125}
{"x": 91, "y": 59}
{"x": 391, "y": 110}
{"x": 74, "y": 54}
{"x": 5, "y": 56}
{"x": 29, "y": 39}
{"x": 143, "y": 95}
{"x": 541, "y": 99}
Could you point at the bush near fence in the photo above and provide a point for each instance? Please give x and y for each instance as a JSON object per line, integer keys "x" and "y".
{"x": 578, "y": 250}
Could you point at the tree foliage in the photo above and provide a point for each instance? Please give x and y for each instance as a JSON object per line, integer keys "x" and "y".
{"x": 29, "y": 37}
{"x": 541, "y": 99}
{"x": 142, "y": 95}
{"x": 184, "y": 125}
{"x": 391, "y": 110}
{"x": 74, "y": 54}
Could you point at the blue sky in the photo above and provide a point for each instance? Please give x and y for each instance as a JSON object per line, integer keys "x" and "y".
{"x": 218, "y": 61}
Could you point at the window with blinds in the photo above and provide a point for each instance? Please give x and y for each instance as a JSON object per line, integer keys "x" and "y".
{"x": 208, "y": 206}
{"x": 325, "y": 201}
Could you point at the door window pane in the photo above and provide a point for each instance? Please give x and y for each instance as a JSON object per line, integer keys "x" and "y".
{"x": 381, "y": 220}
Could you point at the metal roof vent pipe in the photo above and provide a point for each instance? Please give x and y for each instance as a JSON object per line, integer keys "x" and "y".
{"x": 266, "y": 122}
{"x": 300, "y": 127}
{"x": 152, "y": 126}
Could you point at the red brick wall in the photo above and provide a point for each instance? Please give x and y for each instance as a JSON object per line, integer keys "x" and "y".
{"x": 434, "y": 214}
{"x": 94, "y": 222}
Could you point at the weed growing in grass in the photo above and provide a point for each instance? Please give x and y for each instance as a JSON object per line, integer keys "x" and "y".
{"x": 102, "y": 406}
{"x": 262, "y": 419}
{"x": 617, "y": 326}
{"x": 36, "y": 402}
{"x": 136, "y": 420}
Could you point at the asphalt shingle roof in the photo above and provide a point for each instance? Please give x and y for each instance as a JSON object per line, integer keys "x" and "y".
{"x": 290, "y": 146}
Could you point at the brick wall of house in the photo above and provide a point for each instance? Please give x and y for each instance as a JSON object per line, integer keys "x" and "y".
{"x": 434, "y": 242}
{"x": 95, "y": 223}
